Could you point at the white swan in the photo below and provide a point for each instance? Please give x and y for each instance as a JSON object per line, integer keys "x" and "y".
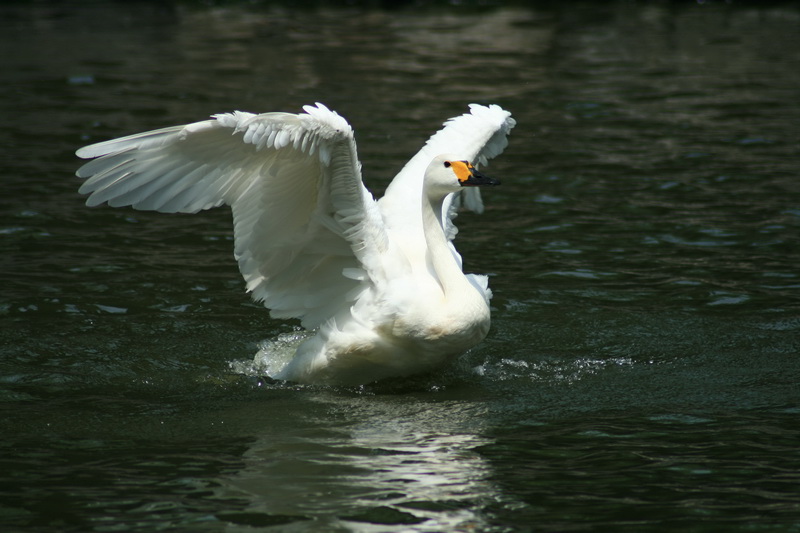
{"x": 379, "y": 281}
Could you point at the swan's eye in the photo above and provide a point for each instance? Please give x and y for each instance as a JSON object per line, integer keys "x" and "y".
{"x": 447, "y": 164}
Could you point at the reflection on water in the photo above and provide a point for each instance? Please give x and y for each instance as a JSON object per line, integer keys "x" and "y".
{"x": 378, "y": 462}
{"x": 642, "y": 365}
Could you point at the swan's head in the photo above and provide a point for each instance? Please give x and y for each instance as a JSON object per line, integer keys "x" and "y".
{"x": 448, "y": 173}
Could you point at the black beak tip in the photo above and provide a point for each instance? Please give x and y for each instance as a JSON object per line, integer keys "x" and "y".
{"x": 482, "y": 180}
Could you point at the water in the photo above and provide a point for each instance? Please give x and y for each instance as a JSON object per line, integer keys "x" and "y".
{"x": 642, "y": 370}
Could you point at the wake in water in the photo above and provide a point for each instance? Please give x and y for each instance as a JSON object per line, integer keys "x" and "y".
{"x": 275, "y": 353}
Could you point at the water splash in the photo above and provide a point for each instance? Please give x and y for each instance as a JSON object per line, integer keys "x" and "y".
{"x": 568, "y": 371}
{"x": 273, "y": 354}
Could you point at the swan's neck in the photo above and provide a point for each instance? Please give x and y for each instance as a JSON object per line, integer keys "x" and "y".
{"x": 441, "y": 263}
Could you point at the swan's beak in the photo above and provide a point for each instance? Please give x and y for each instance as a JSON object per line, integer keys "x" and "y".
{"x": 475, "y": 178}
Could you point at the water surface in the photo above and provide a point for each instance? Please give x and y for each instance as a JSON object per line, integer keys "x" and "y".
{"x": 642, "y": 370}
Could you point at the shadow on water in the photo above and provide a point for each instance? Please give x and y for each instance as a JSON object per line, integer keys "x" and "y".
{"x": 641, "y": 373}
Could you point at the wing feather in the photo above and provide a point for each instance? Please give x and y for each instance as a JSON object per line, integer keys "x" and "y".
{"x": 302, "y": 215}
{"x": 477, "y": 136}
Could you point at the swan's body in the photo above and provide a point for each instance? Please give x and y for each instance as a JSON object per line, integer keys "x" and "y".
{"x": 379, "y": 281}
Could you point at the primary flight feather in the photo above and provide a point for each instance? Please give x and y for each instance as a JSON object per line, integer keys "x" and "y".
{"x": 378, "y": 281}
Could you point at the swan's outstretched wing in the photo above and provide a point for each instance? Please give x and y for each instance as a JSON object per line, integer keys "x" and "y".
{"x": 301, "y": 213}
{"x": 476, "y": 136}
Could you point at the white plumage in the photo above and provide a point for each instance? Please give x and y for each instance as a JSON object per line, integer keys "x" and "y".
{"x": 379, "y": 281}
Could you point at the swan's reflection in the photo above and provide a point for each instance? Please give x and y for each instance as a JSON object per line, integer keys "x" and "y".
{"x": 374, "y": 464}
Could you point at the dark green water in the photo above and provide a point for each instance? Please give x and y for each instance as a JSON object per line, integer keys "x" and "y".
{"x": 643, "y": 368}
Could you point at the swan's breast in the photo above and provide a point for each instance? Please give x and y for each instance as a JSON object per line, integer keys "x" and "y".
{"x": 445, "y": 325}
{"x": 426, "y": 335}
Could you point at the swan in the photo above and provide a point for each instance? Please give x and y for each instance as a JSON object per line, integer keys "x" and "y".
{"x": 379, "y": 282}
